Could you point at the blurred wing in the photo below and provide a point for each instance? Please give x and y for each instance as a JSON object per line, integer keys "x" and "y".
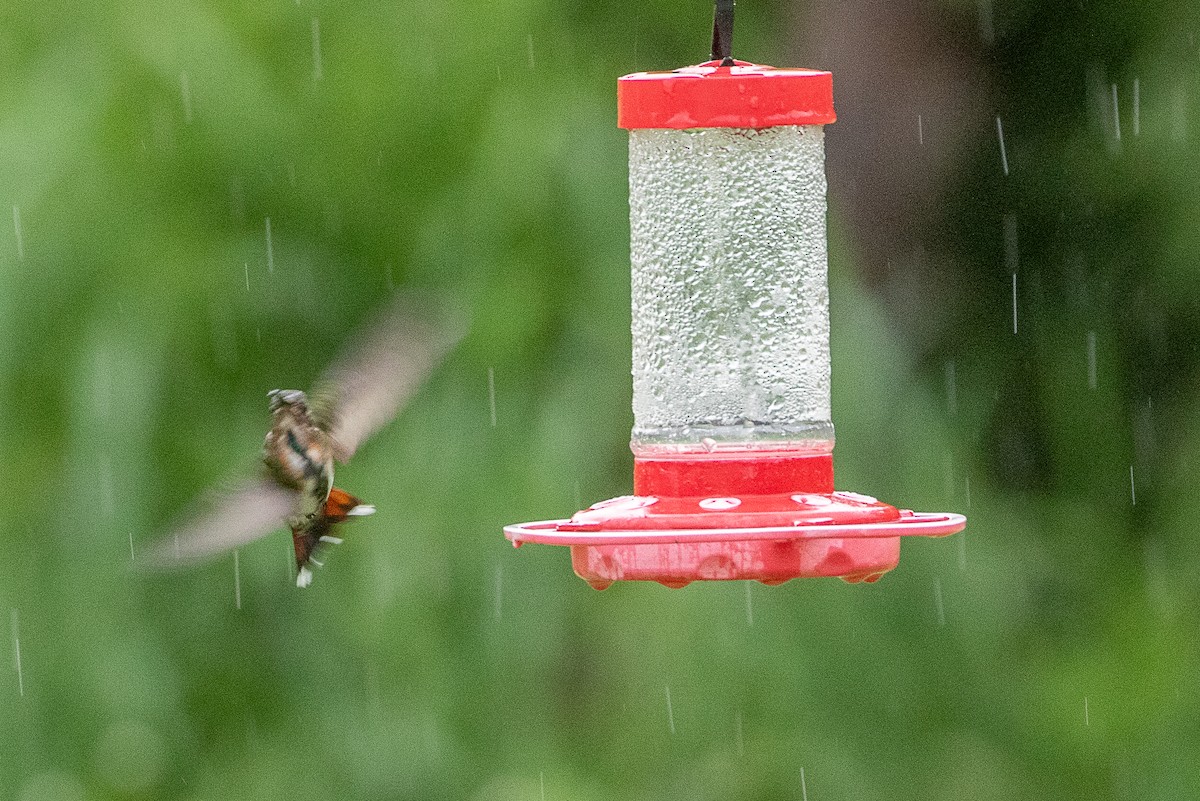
{"x": 224, "y": 521}
{"x": 381, "y": 369}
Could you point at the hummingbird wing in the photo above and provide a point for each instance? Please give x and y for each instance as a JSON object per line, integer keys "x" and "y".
{"x": 381, "y": 368}
{"x": 223, "y": 521}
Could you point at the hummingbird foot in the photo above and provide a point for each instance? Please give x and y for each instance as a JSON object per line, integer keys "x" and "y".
{"x": 304, "y": 577}
{"x": 362, "y": 510}
{"x": 331, "y": 540}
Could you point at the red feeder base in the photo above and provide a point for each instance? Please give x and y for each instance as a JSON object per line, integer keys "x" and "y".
{"x": 765, "y": 516}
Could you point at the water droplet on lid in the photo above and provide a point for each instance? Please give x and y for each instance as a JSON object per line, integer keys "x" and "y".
{"x": 812, "y": 500}
{"x": 718, "y": 504}
{"x": 855, "y": 497}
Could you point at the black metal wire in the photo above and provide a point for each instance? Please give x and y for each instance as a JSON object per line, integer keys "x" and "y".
{"x": 722, "y": 41}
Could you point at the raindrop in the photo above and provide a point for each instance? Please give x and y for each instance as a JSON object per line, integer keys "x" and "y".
{"x": 391, "y": 283}
{"x": 1091, "y": 359}
{"x": 803, "y": 786}
{"x": 1132, "y": 488}
{"x": 670, "y": 710}
{"x": 185, "y": 93}
{"x": 937, "y": 600}
{"x": 237, "y": 580}
{"x": 542, "y": 783}
{"x": 246, "y": 266}
{"x": 492, "y": 394}
{"x": 987, "y": 26}
{"x": 132, "y": 555}
{"x": 738, "y": 736}
{"x": 749, "y": 607}
{"x": 1116, "y": 114}
{"x": 316, "y": 48}
{"x": 16, "y": 637}
{"x": 529, "y": 48}
{"x": 967, "y": 489}
{"x": 1087, "y": 718}
{"x": 1012, "y": 252}
{"x": 270, "y": 249}
{"x": 20, "y": 236}
{"x": 962, "y": 550}
{"x": 1137, "y": 107}
{"x": 1003, "y": 152}
{"x": 920, "y": 131}
{"x": 951, "y": 389}
{"x": 1014, "y": 301}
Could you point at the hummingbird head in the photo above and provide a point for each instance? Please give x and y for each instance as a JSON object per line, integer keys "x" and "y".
{"x": 291, "y": 399}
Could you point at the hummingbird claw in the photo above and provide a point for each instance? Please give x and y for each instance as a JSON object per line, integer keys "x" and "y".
{"x": 331, "y": 540}
{"x": 304, "y": 577}
{"x": 362, "y": 510}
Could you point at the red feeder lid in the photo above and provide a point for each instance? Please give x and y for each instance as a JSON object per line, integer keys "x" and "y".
{"x": 708, "y": 95}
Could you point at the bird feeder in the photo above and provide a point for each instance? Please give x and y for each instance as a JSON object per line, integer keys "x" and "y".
{"x": 733, "y": 434}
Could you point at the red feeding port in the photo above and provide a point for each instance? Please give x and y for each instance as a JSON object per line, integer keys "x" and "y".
{"x": 733, "y": 433}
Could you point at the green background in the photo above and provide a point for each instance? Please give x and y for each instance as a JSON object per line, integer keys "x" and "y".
{"x": 471, "y": 147}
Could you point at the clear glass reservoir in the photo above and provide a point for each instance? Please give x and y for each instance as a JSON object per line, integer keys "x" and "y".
{"x": 729, "y": 289}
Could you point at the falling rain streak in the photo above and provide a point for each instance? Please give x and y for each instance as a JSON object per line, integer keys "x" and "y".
{"x": 1014, "y": 301}
{"x": 185, "y": 94}
{"x": 1132, "y": 488}
{"x": 749, "y": 605}
{"x": 492, "y": 394}
{"x": 670, "y": 711}
{"x": 270, "y": 248}
{"x": 803, "y": 786}
{"x": 951, "y": 389}
{"x": 529, "y": 48}
{"x": 738, "y": 735}
{"x": 1003, "y": 152}
{"x": 937, "y": 600}
{"x": 1116, "y": 114}
{"x": 1137, "y": 107}
{"x": 1087, "y": 718}
{"x": 237, "y": 580}
{"x": 920, "y": 131}
{"x": 246, "y": 267}
{"x": 16, "y": 637}
{"x": 132, "y": 555}
{"x": 316, "y": 48}
{"x": 20, "y": 236}
{"x": 1091, "y": 359}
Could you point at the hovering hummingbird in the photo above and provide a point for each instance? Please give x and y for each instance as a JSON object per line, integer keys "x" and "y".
{"x": 359, "y": 393}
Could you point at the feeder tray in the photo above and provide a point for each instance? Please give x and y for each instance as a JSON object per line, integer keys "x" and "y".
{"x": 744, "y": 533}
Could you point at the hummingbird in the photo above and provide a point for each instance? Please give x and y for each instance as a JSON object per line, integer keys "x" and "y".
{"x": 358, "y": 394}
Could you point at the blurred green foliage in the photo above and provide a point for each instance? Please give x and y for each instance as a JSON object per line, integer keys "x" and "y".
{"x": 147, "y": 148}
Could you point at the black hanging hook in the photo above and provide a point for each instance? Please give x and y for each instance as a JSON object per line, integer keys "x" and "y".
{"x": 722, "y": 41}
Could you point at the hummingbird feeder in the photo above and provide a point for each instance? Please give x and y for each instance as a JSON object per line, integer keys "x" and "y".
{"x": 733, "y": 436}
